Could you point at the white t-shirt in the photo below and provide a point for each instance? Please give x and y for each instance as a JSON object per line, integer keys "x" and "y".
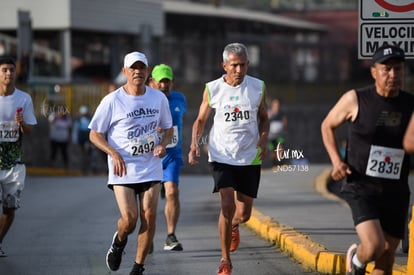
{"x": 131, "y": 124}
{"x": 19, "y": 99}
{"x": 10, "y": 135}
{"x": 235, "y": 131}
{"x": 9, "y": 130}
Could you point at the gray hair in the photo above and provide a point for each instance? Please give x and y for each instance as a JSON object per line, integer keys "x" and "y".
{"x": 235, "y": 48}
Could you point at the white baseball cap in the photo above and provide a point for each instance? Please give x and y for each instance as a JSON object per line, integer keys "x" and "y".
{"x": 133, "y": 57}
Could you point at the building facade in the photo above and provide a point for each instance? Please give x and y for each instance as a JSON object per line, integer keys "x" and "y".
{"x": 73, "y": 40}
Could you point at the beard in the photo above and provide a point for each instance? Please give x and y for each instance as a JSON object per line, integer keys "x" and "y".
{"x": 165, "y": 90}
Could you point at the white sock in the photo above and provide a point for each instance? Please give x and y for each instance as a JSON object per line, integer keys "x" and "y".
{"x": 356, "y": 261}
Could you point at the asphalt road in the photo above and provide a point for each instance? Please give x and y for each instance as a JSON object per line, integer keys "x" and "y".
{"x": 66, "y": 224}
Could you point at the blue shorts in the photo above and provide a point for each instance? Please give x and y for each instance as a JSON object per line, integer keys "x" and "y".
{"x": 171, "y": 168}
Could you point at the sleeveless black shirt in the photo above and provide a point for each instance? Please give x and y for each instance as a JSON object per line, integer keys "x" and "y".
{"x": 380, "y": 121}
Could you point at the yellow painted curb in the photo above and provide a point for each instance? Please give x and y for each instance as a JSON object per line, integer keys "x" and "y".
{"x": 410, "y": 263}
{"x": 397, "y": 270}
{"x": 311, "y": 255}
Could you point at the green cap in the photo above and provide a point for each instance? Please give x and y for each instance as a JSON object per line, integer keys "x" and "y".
{"x": 162, "y": 71}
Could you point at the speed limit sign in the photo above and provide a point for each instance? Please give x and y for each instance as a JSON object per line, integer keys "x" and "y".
{"x": 386, "y": 22}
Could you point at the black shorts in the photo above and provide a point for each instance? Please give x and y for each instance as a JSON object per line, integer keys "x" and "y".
{"x": 138, "y": 187}
{"x": 389, "y": 206}
{"x": 244, "y": 179}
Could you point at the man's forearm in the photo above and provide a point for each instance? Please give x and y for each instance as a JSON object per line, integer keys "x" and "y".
{"x": 198, "y": 129}
{"x": 167, "y": 137}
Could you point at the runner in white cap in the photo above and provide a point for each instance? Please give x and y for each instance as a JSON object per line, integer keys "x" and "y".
{"x": 130, "y": 117}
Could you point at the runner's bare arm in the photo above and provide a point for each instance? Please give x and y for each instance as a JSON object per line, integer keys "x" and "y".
{"x": 99, "y": 140}
{"x": 345, "y": 109}
{"x": 198, "y": 128}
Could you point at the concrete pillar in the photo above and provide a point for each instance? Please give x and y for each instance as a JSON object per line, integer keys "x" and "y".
{"x": 146, "y": 41}
{"x": 66, "y": 50}
{"x": 116, "y": 62}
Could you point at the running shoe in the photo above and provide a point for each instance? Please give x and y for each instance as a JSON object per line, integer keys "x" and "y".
{"x": 137, "y": 269}
{"x": 351, "y": 268}
{"x": 235, "y": 238}
{"x": 224, "y": 268}
{"x": 2, "y": 253}
{"x": 172, "y": 244}
{"x": 115, "y": 252}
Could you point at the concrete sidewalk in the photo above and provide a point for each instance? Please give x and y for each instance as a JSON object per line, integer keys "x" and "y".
{"x": 295, "y": 211}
